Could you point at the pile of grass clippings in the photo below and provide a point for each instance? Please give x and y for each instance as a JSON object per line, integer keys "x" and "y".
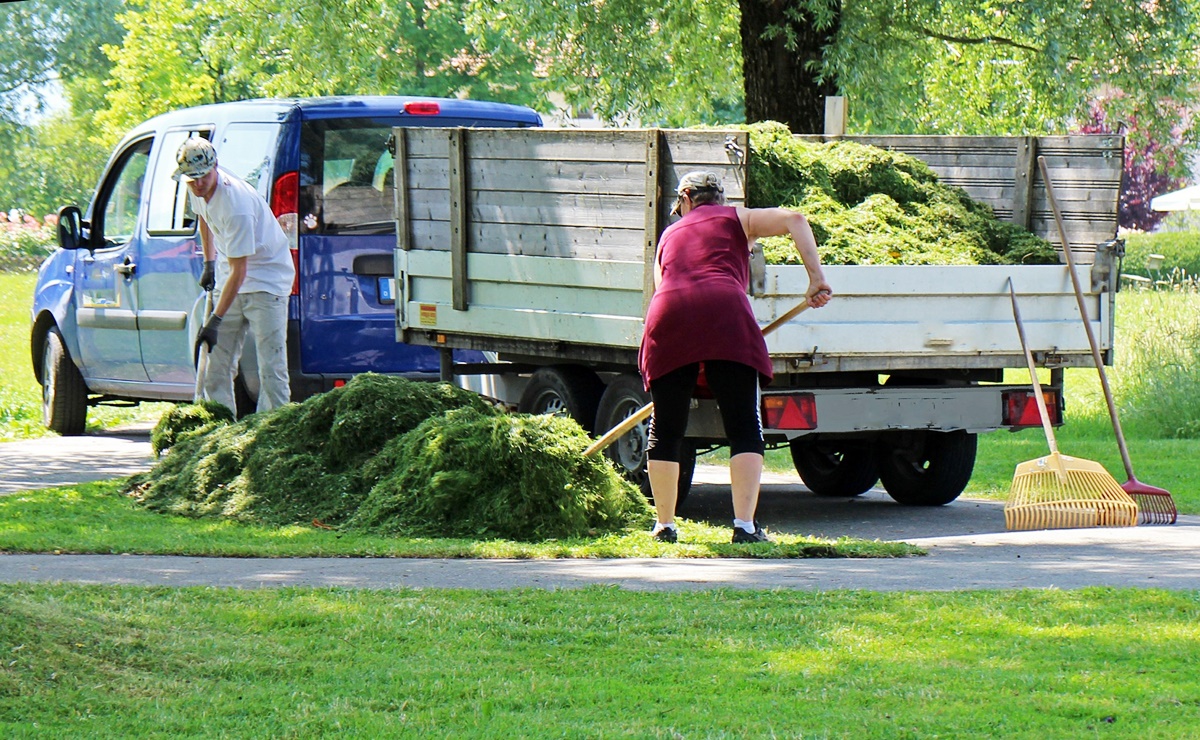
{"x": 185, "y": 419}
{"x": 513, "y": 476}
{"x": 871, "y": 206}
{"x": 323, "y": 460}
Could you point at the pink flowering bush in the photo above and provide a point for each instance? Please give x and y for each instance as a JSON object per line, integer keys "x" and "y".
{"x": 25, "y": 241}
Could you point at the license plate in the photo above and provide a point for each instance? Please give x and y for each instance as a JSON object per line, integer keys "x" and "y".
{"x": 386, "y": 292}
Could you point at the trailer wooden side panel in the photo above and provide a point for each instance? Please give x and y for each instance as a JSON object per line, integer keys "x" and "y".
{"x": 539, "y": 244}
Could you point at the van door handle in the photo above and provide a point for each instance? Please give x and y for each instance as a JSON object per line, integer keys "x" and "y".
{"x": 127, "y": 267}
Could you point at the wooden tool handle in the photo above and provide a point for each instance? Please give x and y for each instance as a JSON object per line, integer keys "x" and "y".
{"x": 1037, "y": 385}
{"x": 1087, "y": 324}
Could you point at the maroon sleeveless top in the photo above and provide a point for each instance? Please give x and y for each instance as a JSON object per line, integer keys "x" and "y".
{"x": 700, "y": 310}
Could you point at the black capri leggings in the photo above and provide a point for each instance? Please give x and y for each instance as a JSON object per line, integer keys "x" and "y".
{"x": 734, "y": 385}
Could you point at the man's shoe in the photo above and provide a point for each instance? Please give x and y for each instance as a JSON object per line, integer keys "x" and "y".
{"x": 742, "y": 537}
{"x": 667, "y": 534}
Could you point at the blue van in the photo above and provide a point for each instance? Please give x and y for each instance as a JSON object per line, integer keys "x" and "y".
{"x": 117, "y": 306}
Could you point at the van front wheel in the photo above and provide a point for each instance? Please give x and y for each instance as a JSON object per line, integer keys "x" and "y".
{"x": 64, "y": 394}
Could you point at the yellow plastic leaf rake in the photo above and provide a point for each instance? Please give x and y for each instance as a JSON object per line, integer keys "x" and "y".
{"x": 1057, "y": 491}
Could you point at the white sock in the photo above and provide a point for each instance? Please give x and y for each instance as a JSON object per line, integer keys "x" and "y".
{"x": 746, "y": 526}
{"x": 659, "y": 526}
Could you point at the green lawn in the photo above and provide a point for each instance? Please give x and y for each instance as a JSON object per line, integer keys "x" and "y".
{"x": 114, "y": 661}
{"x": 96, "y": 518}
{"x": 121, "y": 662}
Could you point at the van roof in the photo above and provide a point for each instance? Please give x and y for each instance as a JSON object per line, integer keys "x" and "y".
{"x": 338, "y": 106}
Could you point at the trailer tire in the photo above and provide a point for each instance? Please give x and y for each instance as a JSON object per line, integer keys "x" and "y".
{"x": 836, "y": 468}
{"x": 64, "y": 394}
{"x": 564, "y": 388}
{"x": 927, "y": 468}
{"x": 623, "y": 396}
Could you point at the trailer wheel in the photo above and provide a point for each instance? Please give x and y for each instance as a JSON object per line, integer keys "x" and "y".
{"x": 567, "y": 389}
{"x": 836, "y": 468}
{"x": 64, "y": 394}
{"x": 927, "y": 468}
{"x": 624, "y": 396}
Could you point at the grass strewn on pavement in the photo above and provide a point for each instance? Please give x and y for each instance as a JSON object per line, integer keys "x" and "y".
{"x": 96, "y": 518}
{"x": 119, "y": 661}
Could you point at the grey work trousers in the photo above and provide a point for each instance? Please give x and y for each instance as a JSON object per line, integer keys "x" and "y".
{"x": 265, "y": 316}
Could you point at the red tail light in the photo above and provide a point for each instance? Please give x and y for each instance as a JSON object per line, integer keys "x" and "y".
{"x": 285, "y": 204}
{"x": 1021, "y": 409}
{"x": 422, "y": 108}
{"x": 285, "y": 196}
{"x": 793, "y": 411}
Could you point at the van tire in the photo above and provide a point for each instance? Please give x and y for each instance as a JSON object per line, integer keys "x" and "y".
{"x": 64, "y": 394}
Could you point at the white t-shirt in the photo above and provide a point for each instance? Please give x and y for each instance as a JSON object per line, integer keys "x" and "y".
{"x": 243, "y": 226}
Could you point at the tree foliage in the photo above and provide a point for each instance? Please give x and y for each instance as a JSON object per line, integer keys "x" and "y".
{"x": 181, "y": 52}
{"x": 677, "y": 63}
{"x": 51, "y": 49}
{"x": 1151, "y": 167}
{"x": 1013, "y": 66}
{"x": 907, "y": 66}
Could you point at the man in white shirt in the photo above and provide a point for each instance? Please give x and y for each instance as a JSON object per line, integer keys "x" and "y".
{"x": 254, "y": 275}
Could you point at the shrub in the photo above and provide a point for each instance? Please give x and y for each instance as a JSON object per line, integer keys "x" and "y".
{"x": 25, "y": 246}
{"x": 1180, "y": 251}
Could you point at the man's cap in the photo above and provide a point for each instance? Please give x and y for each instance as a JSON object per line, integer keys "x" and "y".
{"x": 698, "y": 181}
{"x": 196, "y": 158}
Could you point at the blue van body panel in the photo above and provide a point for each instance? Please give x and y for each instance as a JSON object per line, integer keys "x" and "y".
{"x": 139, "y": 322}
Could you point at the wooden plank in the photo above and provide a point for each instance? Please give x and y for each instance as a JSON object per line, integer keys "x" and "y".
{"x": 548, "y": 144}
{"x": 400, "y": 192}
{"x": 558, "y": 176}
{"x": 547, "y": 209}
{"x": 835, "y": 115}
{"x": 403, "y": 226}
{"x": 536, "y": 240}
{"x": 788, "y": 282}
{"x": 625, "y": 276}
{"x": 1025, "y": 174}
{"x": 655, "y": 219}
{"x": 539, "y": 297}
{"x": 587, "y": 329}
{"x": 458, "y": 217}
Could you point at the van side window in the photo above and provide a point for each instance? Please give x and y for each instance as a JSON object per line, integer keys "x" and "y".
{"x": 248, "y": 151}
{"x": 170, "y": 208}
{"x": 346, "y": 178}
{"x": 122, "y": 195}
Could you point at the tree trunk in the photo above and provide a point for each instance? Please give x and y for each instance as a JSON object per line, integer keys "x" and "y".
{"x": 781, "y": 84}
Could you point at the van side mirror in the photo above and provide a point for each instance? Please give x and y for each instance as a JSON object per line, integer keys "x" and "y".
{"x": 70, "y": 229}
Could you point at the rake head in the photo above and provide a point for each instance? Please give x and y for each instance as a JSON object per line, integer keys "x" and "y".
{"x": 1061, "y": 492}
{"x": 1155, "y": 505}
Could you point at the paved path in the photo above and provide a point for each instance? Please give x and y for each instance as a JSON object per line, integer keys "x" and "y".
{"x": 967, "y": 545}
{"x": 61, "y": 461}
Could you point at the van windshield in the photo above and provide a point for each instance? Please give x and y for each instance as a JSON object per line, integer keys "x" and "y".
{"x": 346, "y": 177}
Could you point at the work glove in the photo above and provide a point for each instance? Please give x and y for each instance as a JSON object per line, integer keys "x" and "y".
{"x": 208, "y": 277}
{"x": 208, "y": 333}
